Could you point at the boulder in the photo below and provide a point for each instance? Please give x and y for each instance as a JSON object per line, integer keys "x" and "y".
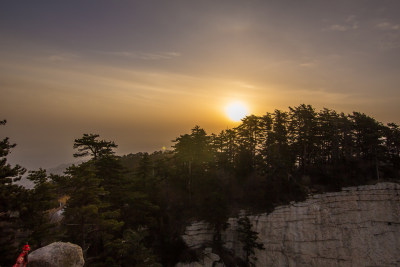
{"x": 58, "y": 254}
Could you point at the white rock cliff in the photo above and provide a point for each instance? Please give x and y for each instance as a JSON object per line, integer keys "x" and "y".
{"x": 358, "y": 226}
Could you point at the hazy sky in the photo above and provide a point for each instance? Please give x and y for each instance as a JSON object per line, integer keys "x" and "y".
{"x": 143, "y": 72}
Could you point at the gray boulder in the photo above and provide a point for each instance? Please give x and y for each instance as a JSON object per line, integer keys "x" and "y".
{"x": 58, "y": 254}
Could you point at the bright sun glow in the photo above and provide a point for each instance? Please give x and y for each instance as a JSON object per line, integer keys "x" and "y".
{"x": 236, "y": 111}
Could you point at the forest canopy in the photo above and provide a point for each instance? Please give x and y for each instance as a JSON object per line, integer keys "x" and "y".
{"x": 131, "y": 210}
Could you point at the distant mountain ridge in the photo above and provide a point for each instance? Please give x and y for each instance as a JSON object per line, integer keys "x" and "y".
{"x": 60, "y": 169}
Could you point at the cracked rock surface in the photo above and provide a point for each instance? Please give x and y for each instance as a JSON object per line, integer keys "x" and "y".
{"x": 358, "y": 226}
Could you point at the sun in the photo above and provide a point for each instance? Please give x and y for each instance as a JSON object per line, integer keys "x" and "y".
{"x": 236, "y": 111}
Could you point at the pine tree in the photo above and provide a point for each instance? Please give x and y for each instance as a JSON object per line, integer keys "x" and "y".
{"x": 278, "y": 160}
{"x": 248, "y": 238}
{"x": 194, "y": 153}
{"x": 82, "y": 217}
{"x": 11, "y": 202}
{"x": 303, "y": 135}
{"x": 392, "y": 143}
{"x": 368, "y": 139}
{"x": 104, "y": 203}
{"x": 134, "y": 252}
{"x": 226, "y": 149}
{"x": 41, "y": 199}
{"x": 89, "y": 145}
{"x": 91, "y": 219}
{"x": 250, "y": 136}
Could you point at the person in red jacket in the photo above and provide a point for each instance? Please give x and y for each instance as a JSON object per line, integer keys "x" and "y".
{"x": 22, "y": 259}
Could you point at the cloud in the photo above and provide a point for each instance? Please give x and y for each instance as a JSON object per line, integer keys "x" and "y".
{"x": 61, "y": 57}
{"x": 343, "y": 28}
{"x": 144, "y": 55}
{"x": 390, "y": 37}
{"x": 339, "y": 28}
{"x": 309, "y": 64}
{"x": 387, "y": 26}
{"x": 350, "y": 23}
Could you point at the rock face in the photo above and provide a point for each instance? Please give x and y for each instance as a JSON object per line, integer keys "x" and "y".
{"x": 198, "y": 234}
{"x": 359, "y": 226}
{"x": 209, "y": 260}
{"x": 57, "y": 254}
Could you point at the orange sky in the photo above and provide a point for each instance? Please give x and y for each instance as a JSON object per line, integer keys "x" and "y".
{"x": 143, "y": 72}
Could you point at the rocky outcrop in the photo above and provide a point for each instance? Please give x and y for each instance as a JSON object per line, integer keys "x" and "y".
{"x": 57, "y": 254}
{"x": 197, "y": 235}
{"x": 358, "y": 226}
{"x": 208, "y": 259}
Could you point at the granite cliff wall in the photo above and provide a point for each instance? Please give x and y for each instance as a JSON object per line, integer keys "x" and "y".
{"x": 358, "y": 226}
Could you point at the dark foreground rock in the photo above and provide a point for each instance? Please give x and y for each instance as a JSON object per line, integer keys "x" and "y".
{"x": 58, "y": 254}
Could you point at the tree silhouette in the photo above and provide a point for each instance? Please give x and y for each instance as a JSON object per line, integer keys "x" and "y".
{"x": 276, "y": 152}
{"x": 303, "y": 134}
{"x": 194, "y": 152}
{"x": 368, "y": 139}
{"x": 11, "y": 202}
{"x": 248, "y": 238}
{"x": 41, "y": 199}
{"x": 392, "y": 143}
{"x": 226, "y": 149}
{"x": 90, "y": 145}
